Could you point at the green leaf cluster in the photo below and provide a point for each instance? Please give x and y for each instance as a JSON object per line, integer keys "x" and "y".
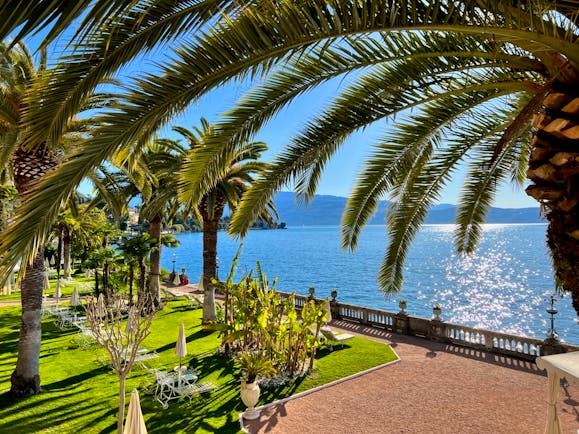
{"x": 261, "y": 323}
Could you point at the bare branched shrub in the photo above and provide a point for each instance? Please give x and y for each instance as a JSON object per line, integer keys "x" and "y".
{"x": 120, "y": 329}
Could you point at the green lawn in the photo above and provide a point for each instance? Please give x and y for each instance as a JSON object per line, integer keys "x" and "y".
{"x": 83, "y": 284}
{"x": 80, "y": 393}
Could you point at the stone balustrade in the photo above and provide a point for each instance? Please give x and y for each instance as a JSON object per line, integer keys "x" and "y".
{"x": 521, "y": 347}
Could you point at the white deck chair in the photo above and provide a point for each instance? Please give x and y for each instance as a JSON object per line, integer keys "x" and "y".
{"x": 334, "y": 338}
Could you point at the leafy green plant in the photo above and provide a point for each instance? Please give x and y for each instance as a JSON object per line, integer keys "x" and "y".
{"x": 254, "y": 364}
{"x": 260, "y": 320}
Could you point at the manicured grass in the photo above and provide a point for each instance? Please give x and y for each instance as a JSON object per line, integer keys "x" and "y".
{"x": 83, "y": 284}
{"x": 80, "y": 393}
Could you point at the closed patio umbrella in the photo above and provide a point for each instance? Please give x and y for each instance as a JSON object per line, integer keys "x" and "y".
{"x": 100, "y": 307}
{"x": 328, "y": 312}
{"x": 135, "y": 423}
{"x": 75, "y": 298}
{"x": 57, "y": 293}
{"x": 181, "y": 347}
{"x": 201, "y": 287}
{"x": 176, "y": 280}
{"x": 45, "y": 282}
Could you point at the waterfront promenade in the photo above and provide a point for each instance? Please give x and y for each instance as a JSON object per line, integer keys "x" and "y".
{"x": 434, "y": 388}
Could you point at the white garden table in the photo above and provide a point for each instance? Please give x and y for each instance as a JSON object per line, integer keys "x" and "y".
{"x": 558, "y": 366}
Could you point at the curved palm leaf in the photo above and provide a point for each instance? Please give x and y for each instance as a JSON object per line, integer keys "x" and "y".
{"x": 263, "y": 35}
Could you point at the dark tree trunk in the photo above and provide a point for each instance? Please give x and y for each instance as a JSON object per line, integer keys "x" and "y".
{"x": 96, "y": 282}
{"x": 210, "y": 229}
{"x": 66, "y": 241}
{"x": 26, "y": 377}
{"x": 59, "y": 249}
{"x": 105, "y": 280}
{"x": 25, "y": 380}
{"x": 554, "y": 172}
{"x": 131, "y": 282}
{"x": 142, "y": 277}
{"x": 155, "y": 260}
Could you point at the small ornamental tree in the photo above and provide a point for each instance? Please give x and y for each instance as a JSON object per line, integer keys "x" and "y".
{"x": 120, "y": 329}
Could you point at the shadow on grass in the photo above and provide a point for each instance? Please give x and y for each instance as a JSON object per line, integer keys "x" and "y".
{"x": 214, "y": 411}
{"x": 33, "y": 423}
{"x": 70, "y": 382}
{"x": 191, "y": 338}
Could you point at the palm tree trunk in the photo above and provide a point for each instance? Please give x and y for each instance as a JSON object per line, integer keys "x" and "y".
{"x": 131, "y": 282}
{"x": 59, "y": 249}
{"x": 66, "y": 240}
{"x": 155, "y": 260}
{"x": 25, "y": 380}
{"x": 210, "y": 229}
{"x": 142, "y": 278}
{"x": 554, "y": 172}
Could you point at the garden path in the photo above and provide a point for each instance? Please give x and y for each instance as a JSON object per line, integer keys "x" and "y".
{"x": 434, "y": 388}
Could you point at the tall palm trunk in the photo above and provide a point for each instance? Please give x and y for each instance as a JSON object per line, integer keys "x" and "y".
{"x": 155, "y": 260}
{"x": 142, "y": 278}
{"x": 210, "y": 228}
{"x": 66, "y": 241}
{"x": 554, "y": 171}
{"x": 25, "y": 380}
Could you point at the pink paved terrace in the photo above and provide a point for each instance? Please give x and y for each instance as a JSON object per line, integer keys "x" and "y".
{"x": 435, "y": 388}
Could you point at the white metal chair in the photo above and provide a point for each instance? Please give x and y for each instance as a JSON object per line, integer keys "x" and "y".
{"x": 85, "y": 337}
{"x": 165, "y": 389}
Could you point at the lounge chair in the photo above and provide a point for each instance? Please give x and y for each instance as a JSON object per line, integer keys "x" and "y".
{"x": 334, "y": 338}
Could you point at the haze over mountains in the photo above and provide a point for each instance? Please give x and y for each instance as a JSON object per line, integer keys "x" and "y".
{"x": 327, "y": 210}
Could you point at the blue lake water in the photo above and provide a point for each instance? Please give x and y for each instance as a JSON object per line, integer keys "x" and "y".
{"x": 504, "y": 286}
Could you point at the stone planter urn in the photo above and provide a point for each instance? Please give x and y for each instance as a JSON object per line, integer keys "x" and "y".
{"x": 312, "y": 291}
{"x": 437, "y": 310}
{"x": 250, "y": 396}
{"x": 402, "y": 304}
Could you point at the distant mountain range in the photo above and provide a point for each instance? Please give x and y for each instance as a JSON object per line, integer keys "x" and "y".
{"x": 327, "y": 210}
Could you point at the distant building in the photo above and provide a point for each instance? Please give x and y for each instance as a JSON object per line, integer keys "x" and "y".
{"x": 133, "y": 217}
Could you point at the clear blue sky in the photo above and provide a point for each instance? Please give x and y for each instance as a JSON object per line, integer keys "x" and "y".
{"x": 340, "y": 173}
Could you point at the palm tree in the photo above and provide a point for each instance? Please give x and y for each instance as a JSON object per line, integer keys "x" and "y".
{"x": 18, "y": 75}
{"x": 135, "y": 250}
{"x": 20, "y": 92}
{"x": 71, "y": 222}
{"x": 475, "y": 73}
{"x": 227, "y": 190}
{"x": 148, "y": 172}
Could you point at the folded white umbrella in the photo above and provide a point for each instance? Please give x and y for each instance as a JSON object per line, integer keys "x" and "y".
{"x": 201, "y": 286}
{"x": 328, "y": 311}
{"x": 176, "y": 280}
{"x": 135, "y": 423}
{"x": 45, "y": 282}
{"x": 57, "y": 293}
{"x": 101, "y": 309}
{"x": 75, "y": 298}
{"x": 181, "y": 347}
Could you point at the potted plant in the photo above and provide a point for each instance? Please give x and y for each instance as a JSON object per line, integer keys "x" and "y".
{"x": 437, "y": 310}
{"x": 402, "y": 304}
{"x": 334, "y": 294}
{"x": 312, "y": 291}
{"x": 252, "y": 365}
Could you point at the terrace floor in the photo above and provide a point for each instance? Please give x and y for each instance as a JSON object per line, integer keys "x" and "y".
{"x": 434, "y": 388}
